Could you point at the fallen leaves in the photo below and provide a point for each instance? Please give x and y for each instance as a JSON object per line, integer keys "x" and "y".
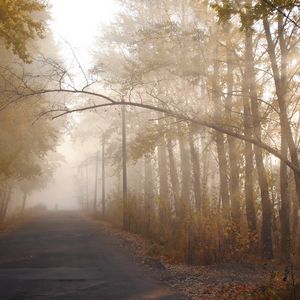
{"x": 228, "y": 281}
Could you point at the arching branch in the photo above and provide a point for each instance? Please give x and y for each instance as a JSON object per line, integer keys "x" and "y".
{"x": 168, "y": 112}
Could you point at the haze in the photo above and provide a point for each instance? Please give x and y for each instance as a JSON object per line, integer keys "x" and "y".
{"x": 169, "y": 128}
{"x": 77, "y": 30}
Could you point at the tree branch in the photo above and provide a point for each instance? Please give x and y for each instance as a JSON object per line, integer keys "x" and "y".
{"x": 178, "y": 115}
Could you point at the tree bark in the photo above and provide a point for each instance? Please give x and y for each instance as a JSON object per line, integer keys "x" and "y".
{"x": 163, "y": 179}
{"x": 4, "y": 193}
{"x": 285, "y": 206}
{"x": 195, "y": 158}
{"x": 173, "y": 174}
{"x": 267, "y": 242}
{"x": 249, "y": 168}
{"x": 148, "y": 193}
{"x": 185, "y": 165}
{"x": 5, "y": 203}
{"x": 220, "y": 141}
{"x": 232, "y": 148}
{"x": 280, "y": 87}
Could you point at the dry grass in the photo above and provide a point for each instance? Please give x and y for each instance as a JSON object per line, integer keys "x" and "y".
{"x": 228, "y": 281}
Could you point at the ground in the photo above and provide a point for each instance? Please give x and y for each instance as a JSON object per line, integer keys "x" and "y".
{"x": 239, "y": 280}
{"x": 68, "y": 256}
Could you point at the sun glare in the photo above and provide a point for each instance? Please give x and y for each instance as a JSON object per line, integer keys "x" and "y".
{"x": 79, "y": 22}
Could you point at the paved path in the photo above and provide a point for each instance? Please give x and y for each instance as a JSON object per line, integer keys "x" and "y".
{"x": 66, "y": 256}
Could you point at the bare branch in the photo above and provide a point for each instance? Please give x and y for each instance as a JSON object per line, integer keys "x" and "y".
{"x": 178, "y": 115}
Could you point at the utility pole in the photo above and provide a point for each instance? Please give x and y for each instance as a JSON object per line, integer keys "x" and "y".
{"x": 96, "y": 183}
{"x": 87, "y": 185}
{"x": 103, "y": 176}
{"x": 124, "y": 164}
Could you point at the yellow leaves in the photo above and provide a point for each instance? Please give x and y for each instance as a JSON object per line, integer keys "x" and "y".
{"x": 23, "y": 145}
{"x": 18, "y": 25}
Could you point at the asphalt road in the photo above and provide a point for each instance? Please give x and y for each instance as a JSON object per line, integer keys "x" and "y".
{"x": 66, "y": 256}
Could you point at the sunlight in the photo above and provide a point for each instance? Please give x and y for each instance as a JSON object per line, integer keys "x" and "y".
{"x": 150, "y": 149}
{"x": 79, "y": 23}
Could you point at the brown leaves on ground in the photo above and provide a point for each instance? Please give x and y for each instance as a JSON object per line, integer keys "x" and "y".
{"x": 228, "y": 281}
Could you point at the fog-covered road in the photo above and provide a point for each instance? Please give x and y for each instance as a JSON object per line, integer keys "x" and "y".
{"x": 66, "y": 256}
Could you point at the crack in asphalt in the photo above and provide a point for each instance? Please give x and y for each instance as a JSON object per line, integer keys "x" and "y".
{"x": 63, "y": 255}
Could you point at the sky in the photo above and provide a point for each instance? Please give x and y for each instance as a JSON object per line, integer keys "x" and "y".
{"x": 78, "y": 23}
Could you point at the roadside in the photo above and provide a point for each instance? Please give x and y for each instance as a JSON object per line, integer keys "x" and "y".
{"x": 12, "y": 222}
{"x": 234, "y": 280}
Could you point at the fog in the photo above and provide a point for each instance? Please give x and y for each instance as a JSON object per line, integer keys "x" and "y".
{"x": 79, "y": 28}
{"x": 60, "y": 192}
{"x": 176, "y": 120}
{"x": 72, "y": 34}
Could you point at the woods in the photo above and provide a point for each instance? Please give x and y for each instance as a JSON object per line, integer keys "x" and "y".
{"x": 24, "y": 146}
{"x": 175, "y": 132}
{"x": 229, "y": 66}
{"x": 199, "y": 126}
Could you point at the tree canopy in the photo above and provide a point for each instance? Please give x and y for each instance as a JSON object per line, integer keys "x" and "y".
{"x": 21, "y": 21}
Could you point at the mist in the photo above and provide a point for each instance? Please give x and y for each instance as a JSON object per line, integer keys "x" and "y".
{"x": 169, "y": 126}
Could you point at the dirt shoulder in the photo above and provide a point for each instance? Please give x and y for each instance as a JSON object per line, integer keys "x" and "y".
{"x": 234, "y": 280}
{"x": 13, "y": 222}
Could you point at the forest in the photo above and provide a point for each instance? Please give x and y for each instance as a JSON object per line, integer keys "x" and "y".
{"x": 193, "y": 108}
{"x": 213, "y": 164}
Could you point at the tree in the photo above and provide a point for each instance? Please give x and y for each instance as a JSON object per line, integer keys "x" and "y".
{"x": 168, "y": 64}
{"x": 24, "y": 145}
{"x": 18, "y": 26}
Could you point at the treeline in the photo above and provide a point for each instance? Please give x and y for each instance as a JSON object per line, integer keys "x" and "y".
{"x": 202, "y": 195}
{"x": 24, "y": 143}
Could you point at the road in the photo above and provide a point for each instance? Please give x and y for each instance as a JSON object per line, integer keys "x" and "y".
{"x": 64, "y": 255}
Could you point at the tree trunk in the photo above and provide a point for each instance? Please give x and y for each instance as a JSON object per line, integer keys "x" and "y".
{"x": 148, "y": 193}
{"x": 204, "y": 179}
{"x": 220, "y": 141}
{"x": 163, "y": 179}
{"x": 196, "y": 170}
{"x": 285, "y": 205}
{"x": 103, "y": 177}
{"x": 173, "y": 174}
{"x": 23, "y": 203}
{"x": 3, "y": 195}
{"x": 249, "y": 168}
{"x": 296, "y": 227}
{"x": 5, "y": 203}
{"x": 281, "y": 88}
{"x": 267, "y": 242}
{"x": 223, "y": 167}
{"x": 232, "y": 148}
{"x": 185, "y": 164}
